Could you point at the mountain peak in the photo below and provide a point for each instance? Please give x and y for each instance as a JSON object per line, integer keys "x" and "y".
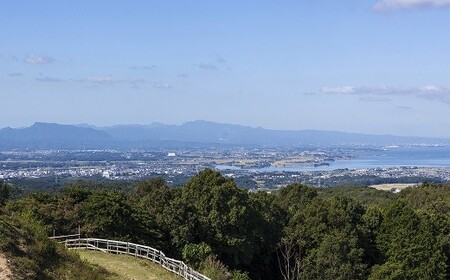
{"x": 52, "y": 135}
{"x": 45, "y": 124}
{"x": 42, "y": 135}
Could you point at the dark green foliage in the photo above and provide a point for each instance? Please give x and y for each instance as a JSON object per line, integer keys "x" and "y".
{"x": 298, "y": 232}
{"x": 219, "y": 214}
{"x": 195, "y": 254}
{"x": 409, "y": 249}
{"x": 149, "y": 186}
{"x": 32, "y": 255}
{"x": 215, "y": 269}
{"x": 101, "y": 213}
{"x": 246, "y": 183}
{"x": 52, "y": 185}
{"x": 321, "y": 217}
{"x": 111, "y": 215}
{"x": 371, "y": 222}
{"x": 272, "y": 225}
{"x": 5, "y": 192}
{"x": 326, "y": 240}
{"x": 239, "y": 275}
{"x": 295, "y": 197}
{"x": 154, "y": 196}
{"x": 337, "y": 257}
{"x": 363, "y": 195}
{"x": 432, "y": 202}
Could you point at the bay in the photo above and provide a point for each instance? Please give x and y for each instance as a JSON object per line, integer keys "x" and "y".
{"x": 438, "y": 157}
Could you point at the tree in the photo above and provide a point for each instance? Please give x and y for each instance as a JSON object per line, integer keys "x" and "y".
{"x": 295, "y": 197}
{"x": 337, "y": 257}
{"x": 409, "y": 250}
{"x": 371, "y": 222}
{"x": 289, "y": 259}
{"x": 155, "y": 197}
{"x": 195, "y": 254}
{"x": 5, "y": 192}
{"x": 110, "y": 214}
{"x": 310, "y": 236}
{"x": 213, "y": 210}
{"x": 271, "y": 226}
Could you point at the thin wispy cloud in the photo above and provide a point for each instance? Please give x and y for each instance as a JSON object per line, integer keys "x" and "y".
{"x": 183, "y": 75}
{"x": 150, "y": 67}
{"x": 108, "y": 80}
{"x": 430, "y": 92}
{"x": 39, "y": 59}
{"x": 374, "y": 99}
{"x": 220, "y": 59}
{"x": 344, "y": 89}
{"x": 15, "y": 74}
{"x": 49, "y": 79}
{"x": 207, "y": 66}
{"x": 162, "y": 85}
{"x": 385, "y": 5}
{"x": 404, "y": 107}
{"x": 103, "y": 80}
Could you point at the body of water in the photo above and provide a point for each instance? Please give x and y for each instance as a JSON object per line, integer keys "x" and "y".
{"x": 392, "y": 157}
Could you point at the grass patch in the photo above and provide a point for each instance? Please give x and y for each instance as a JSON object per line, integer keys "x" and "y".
{"x": 31, "y": 255}
{"x": 127, "y": 267}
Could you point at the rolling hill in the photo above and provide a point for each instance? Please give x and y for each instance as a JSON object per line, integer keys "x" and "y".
{"x": 195, "y": 133}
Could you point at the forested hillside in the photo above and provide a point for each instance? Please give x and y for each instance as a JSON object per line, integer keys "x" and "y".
{"x": 27, "y": 253}
{"x": 298, "y": 232}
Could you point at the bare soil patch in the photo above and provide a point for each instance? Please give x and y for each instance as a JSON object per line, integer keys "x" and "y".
{"x": 5, "y": 272}
{"x": 389, "y": 187}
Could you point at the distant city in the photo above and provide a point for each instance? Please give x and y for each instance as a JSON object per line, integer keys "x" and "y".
{"x": 254, "y": 168}
{"x": 258, "y": 159}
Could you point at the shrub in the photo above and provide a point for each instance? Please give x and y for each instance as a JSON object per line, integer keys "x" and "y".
{"x": 215, "y": 269}
{"x": 5, "y": 192}
{"x": 239, "y": 275}
{"x": 195, "y": 254}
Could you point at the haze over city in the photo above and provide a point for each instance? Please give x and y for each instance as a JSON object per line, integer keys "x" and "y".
{"x": 378, "y": 67}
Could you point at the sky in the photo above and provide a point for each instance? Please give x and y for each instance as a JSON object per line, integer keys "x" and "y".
{"x": 365, "y": 66}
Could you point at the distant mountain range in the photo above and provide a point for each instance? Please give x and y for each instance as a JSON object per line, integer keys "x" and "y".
{"x": 189, "y": 134}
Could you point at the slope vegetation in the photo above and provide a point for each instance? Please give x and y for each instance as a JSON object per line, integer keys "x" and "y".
{"x": 126, "y": 267}
{"x": 27, "y": 253}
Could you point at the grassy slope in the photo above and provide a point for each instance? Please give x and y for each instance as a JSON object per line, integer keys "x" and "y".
{"x": 31, "y": 255}
{"x": 127, "y": 267}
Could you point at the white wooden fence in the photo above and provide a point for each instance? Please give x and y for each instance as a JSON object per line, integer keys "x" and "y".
{"x": 136, "y": 250}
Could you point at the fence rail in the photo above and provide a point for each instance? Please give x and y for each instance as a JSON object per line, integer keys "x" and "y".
{"x": 136, "y": 250}
{"x": 64, "y": 237}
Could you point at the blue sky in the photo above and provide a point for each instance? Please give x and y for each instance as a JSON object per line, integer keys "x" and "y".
{"x": 379, "y": 67}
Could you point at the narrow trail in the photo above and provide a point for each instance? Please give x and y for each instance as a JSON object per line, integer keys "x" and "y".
{"x": 5, "y": 272}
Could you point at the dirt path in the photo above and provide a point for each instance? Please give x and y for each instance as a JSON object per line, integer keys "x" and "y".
{"x": 5, "y": 272}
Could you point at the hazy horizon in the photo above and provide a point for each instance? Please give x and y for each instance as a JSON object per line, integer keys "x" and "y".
{"x": 372, "y": 66}
{"x": 209, "y": 121}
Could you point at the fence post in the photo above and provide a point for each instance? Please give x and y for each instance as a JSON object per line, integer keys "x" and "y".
{"x": 175, "y": 266}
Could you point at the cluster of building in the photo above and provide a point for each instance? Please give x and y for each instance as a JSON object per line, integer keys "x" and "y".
{"x": 267, "y": 168}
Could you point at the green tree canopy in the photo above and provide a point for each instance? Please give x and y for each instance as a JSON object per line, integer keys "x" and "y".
{"x": 5, "y": 192}
{"x": 408, "y": 248}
